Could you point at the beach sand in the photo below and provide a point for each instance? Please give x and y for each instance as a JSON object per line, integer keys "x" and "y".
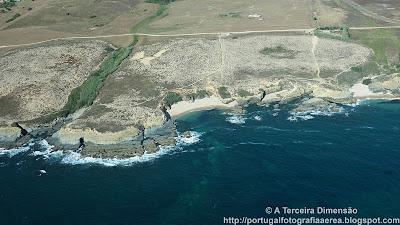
{"x": 185, "y": 107}
{"x": 362, "y": 91}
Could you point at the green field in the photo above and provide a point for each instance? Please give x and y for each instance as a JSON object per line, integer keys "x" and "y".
{"x": 385, "y": 44}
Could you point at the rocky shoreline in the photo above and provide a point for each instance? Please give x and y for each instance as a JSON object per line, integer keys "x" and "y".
{"x": 126, "y": 144}
{"x": 134, "y": 111}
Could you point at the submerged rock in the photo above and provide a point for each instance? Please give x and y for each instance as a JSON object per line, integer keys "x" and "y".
{"x": 187, "y": 134}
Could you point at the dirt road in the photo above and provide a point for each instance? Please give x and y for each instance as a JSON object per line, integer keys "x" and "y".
{"x": 305, "y": 30}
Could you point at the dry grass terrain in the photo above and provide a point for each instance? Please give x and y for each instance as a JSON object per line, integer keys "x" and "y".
{"x": 188, "y": 16}
{"x": 37, "y": 81}
{"x": 386, "y": 8}
{"x": 64, "y": 18}
{"x": 325, "y": 14}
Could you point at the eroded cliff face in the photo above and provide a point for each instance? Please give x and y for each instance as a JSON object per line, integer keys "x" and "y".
{"x": 130, "y": 114}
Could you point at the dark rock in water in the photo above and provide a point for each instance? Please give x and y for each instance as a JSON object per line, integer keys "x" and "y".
{"x": 121, "y": 150}
{"x": 164, "y": 135}
{"x": 187, "y": 134}
{"x": 56, "y": 148}
{"x": 395, "y": 101}
{"x": 21, "y": 141}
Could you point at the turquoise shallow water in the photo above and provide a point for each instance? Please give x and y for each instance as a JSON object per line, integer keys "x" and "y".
{"x": 235, "y": 169}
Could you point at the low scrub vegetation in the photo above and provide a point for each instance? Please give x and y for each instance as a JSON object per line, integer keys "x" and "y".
{"x": 161, "y": 12}
{"x": 370, "y": 68}
{"x": 7, "y": 4}
{"x": 223, "y": 92}
{"x": 13, "y": 18}
{"x": 335, "y": 32}
{"x": 172, "y": 98}
{"x": 161, "y": 2}
{"x": 87, "y": 92}
{"x": 278, "y": 52}
{"x": 198, "y": 95}
{"x": 230, "y": 14}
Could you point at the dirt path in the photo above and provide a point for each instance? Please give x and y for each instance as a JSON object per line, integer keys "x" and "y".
{"x": 314, "y": 47}
{"x": 305, "y": 30}
{"x": 222, "y": 50}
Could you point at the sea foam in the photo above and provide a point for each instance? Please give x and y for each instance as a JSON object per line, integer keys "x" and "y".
{"x": 236, "y": 119}
{"x": 15, "y": 151}
{"x": 258, "y": 118}
{"x": 308, "y": 115}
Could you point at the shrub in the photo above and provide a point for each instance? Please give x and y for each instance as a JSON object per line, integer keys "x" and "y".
{"x": 161, "y": 2}
{"x": 85, "y": 94}
{"x": 13, "y": 18}
{"x": 278, "y": 52}
{"x": 223, "y": 92}
{"x": 367, "y": 81}
{"x": 199, "y": 95}
{"x": 357, "y": 69}
{"x": 230, "y": 14}
{"x": 8, "y": 4}
{"x": 335, "y": 32}
{"x": 172, "y": 98}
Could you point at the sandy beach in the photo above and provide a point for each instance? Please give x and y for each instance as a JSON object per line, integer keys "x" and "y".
{"x": 185, "y": 107}
{"x": 362, "y": 92}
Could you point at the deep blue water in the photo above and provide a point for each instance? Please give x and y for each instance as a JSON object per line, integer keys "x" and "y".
{"x": 234, "y": 170}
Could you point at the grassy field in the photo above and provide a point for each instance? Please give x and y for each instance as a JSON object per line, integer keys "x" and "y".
{"x": 385, "y": 44}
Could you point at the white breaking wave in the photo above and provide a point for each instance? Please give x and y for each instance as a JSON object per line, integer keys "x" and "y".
{"x": 295, "y": 118}
{"x": 235, "y": 119}
{"x": 74, "y": 158}
{"x": 192, "y": 139}
{"x": 258, "y": 118}
{"x": 308, "y": 115}
{"x": 15, "y": 151}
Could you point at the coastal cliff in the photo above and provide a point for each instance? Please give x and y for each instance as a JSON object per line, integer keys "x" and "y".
{"x": 136, "y": 103}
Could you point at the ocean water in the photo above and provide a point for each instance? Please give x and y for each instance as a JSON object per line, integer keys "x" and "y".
{"x": 232, "y": 166}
